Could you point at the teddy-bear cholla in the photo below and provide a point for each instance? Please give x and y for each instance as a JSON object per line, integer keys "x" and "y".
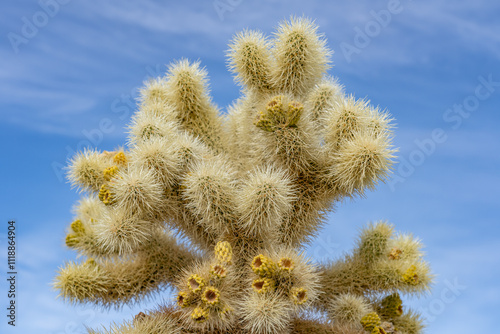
{"x": 220, "y": 207}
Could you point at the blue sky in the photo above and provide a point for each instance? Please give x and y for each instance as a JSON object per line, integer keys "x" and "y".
{"x": 85, "y": 61}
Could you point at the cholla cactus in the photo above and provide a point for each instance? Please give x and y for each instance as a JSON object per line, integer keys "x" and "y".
{"x": 248, "y": 190}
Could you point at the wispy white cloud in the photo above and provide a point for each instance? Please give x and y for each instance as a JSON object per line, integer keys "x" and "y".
{"x": 465, "y": 20}
{"x": 111, "y": 50}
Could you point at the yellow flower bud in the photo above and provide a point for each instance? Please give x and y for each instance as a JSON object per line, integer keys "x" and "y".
{"x": 410, "y": 276}
{"x": 77, "y": 227}
{"x": 378, "y": 330}
{"x": 263, "y": 266}
{"x": 71, "y": 240}
{"x": 286, "y": 264}
{"x": 218, "y": 271}
{"x": 195, "y": 283}
{"x": 183, "y": 299}
{"x": 120, "y": 158}
{"x": 370, "y": 321}
{"x": 278, "y": 115}
{"x": 211, "y": 295}
{"x": 110, "y": 172}
{"x": 105, "y": 195}
{"x": 199, "y": 314}
{"x": 263, "y": 285}
{"x": 224, "y": 252}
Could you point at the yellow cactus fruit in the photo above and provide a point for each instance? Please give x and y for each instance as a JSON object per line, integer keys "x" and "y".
{"x": 395, "y": 254}
{"x": 370, "y": 321}
{"x": 218, "y": 271}
{"x": 77, "y": 227}
{"x": 199, "y": 314}
{"x": 410, "y": 276}
{"x": 71, "y": 240}
{"x": 263, "y": 266}
{"x": 392, "y": 306}
{"x": 110, "y": 172}
{"x": 286, "y": 264}
{"x": 299, "y": 295}
{"x": 263, "y": 285}
{"x": 211, "y": 295}
{"x": 105, "y": 195}
{"x": 183, "y": 299}
{"x": 120, "y": 158}
{"x": 224, "y": 252}
{"x": 195, "y": 283}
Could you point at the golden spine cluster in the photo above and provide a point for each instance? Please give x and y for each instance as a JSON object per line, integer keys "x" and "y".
{"x": 248, "y": 190}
